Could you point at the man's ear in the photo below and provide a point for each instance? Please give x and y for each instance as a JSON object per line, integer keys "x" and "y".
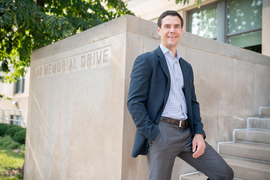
{"x": 158, "y": 30}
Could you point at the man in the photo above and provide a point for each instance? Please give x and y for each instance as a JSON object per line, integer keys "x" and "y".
{"x": 163, "y": 105}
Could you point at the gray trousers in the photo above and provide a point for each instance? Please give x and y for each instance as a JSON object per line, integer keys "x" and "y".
{"x": 173, "y": 142}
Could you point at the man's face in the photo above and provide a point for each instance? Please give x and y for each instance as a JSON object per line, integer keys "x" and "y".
{"x": 170, "y": 31}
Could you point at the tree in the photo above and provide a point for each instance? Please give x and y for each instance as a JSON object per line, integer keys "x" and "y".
{"x": 26, "y": 25}
{"x": 198, "y": 2}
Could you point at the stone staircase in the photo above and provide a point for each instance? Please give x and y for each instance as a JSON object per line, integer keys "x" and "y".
{"x": 249, "y": 152}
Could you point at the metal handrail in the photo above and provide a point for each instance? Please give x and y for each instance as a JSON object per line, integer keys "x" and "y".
{"x": 7, "y": 113}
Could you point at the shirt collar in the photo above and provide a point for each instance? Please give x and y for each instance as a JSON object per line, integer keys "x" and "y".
{"x": 166, "y": 50}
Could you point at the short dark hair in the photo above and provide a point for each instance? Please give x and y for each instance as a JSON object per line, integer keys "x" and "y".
{"x": 169, "y": 13}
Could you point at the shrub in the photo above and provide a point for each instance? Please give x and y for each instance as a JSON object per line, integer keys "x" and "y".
{"x": 20, "y": 136}
{"x": 8, "y": 142}
{"x": 22, "y": 150}
{"x": 3, "y": 128}
{"x": 17, "y": 133}
{"x": 12, "y": 130}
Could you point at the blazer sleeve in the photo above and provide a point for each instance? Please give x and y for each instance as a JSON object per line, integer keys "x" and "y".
{"x": 197, "y": 120}
{"x": 138, "y": 93}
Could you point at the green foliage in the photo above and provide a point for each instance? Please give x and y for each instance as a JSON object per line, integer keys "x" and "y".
{"x": 198, "y": 2}
{"x": 10, "y": 160}
{"x": 17, "y": 177}
{"x": 8, "y": 142}
{"x": 3, "y": 97}
{"x": 20, "y": 136}
{"x": 17, "y": 133}
{"x": 22, "y": 150}
{"x": 11, "y": 131}
{"x": 4, "y": 128}
{"x": 26, "y": 25}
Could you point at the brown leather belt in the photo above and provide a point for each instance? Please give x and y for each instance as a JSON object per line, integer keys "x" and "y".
{"x": 181, "y": 124}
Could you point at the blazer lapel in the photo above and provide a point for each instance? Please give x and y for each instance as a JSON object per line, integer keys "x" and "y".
{"x": 164, "y": 67}
{"x": 163, "y": 63}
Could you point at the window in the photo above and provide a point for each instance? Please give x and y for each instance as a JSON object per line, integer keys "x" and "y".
{"x": 19, "y": 85}
{"x": 15, "y": 120}
{"x": 244, "y": 23}
{"x": 203, "y": 21}
{"x": 236, "y": 22}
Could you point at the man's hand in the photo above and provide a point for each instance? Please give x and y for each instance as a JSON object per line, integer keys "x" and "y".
{"x": 198, "y": 145}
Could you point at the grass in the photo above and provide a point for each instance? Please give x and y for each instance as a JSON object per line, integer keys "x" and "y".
{"x": 10, "y": 161}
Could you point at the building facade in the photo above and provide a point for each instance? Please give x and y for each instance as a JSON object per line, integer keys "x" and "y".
{"x": 14, "y": 110}
{"x": 242, "y": 23}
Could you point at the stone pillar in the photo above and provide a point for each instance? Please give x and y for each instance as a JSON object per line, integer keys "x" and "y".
{"x": 266, "y": 28}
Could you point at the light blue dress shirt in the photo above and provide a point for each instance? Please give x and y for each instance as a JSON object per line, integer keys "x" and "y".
{"x": 176, "y": 106}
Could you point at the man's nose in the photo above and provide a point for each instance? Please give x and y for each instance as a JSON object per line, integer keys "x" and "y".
{"x": 172, "y": 30}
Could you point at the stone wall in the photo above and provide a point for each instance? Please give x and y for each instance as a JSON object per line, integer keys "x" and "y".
{"x": 79, "y": 126}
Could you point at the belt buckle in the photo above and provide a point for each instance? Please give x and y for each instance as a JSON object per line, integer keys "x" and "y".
{"x": 180, "y": 123}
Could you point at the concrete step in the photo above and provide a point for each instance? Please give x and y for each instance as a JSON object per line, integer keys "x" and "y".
{"x": 245, "y": 150}
{"x": 197, "y": 176}
{"x": 258, "y": 123}
{"x": 264, "y": 111}
{"x": 243, "y": 169}
{"x": 249, "y": 170}
{"x": 256, "y": 136}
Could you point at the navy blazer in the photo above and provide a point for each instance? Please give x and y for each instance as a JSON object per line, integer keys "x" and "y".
{"x": 148, "y": 93}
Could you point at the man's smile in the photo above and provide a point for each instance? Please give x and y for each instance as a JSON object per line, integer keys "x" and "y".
{"x": 172, "y": 37}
